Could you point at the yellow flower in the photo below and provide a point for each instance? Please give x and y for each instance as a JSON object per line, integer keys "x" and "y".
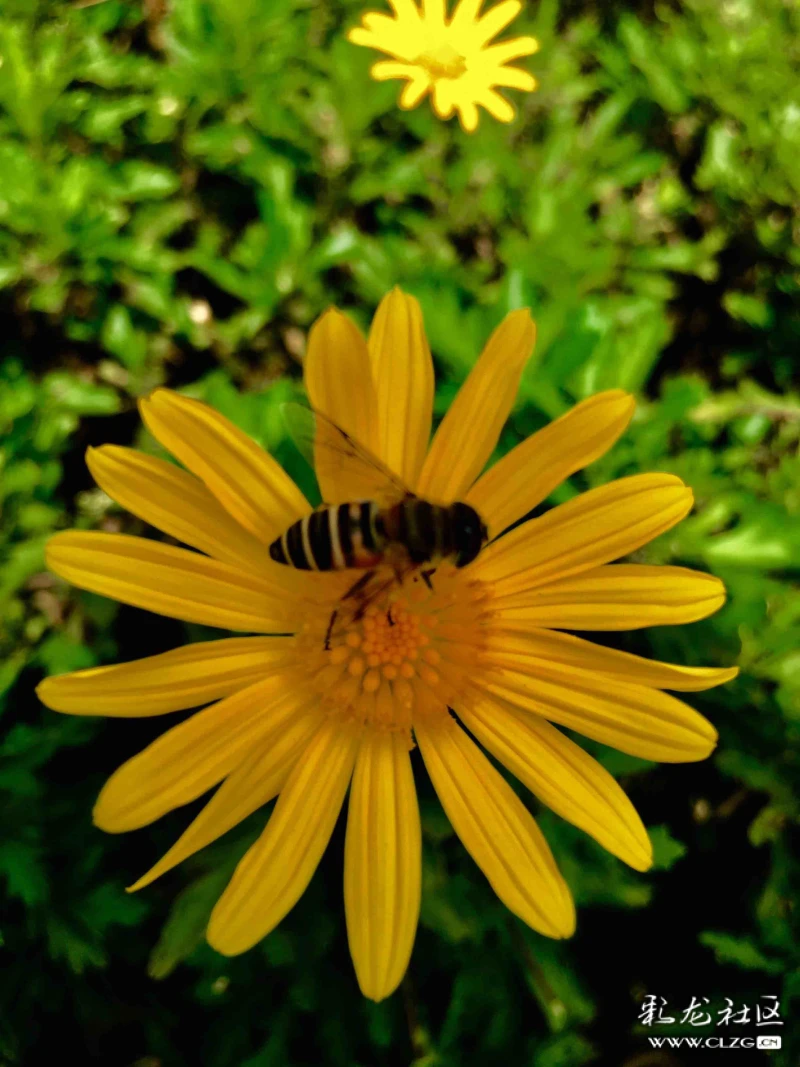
{"x": 484, "y": 648}
{"x": 450, "y": 58}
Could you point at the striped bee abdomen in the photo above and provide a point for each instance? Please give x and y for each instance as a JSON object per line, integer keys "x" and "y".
{"x": 332, "y": 538}
{"x": 424, "y": 529}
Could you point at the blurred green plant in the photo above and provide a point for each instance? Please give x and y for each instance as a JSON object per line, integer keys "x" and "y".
{"x": 183, "y": 189}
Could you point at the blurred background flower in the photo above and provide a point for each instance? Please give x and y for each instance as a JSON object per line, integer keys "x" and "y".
{"x": 449, "y": 55}
{"x": 184, "y": 188}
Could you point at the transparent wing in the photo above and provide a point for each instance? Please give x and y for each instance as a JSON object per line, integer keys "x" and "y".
{"x": 337, "y": 458}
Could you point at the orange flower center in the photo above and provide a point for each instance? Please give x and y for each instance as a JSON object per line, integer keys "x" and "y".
{"x": 408, "y": 652}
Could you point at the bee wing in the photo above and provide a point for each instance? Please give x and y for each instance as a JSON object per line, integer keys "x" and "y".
{"x": 334, "y": 454}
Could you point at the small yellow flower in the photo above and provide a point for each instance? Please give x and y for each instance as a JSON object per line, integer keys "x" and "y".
{"x": 450, "y": 58}
{"x": 484, "y": 647}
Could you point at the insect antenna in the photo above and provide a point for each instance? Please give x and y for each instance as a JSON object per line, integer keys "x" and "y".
{"x": 426, "y": 577}
{"x": 329, "y": 631}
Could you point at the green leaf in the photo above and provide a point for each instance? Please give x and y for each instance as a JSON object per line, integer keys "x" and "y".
{"x": 666, "y": 850}
{"x": 21, "y": 864}
{"x": 740, "y": 951}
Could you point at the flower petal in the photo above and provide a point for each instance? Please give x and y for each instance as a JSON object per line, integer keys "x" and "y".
{"x": 444, "y": 97}
{"x": 251, "y": 785}
{"x": 384, "y": 35}
{"x": 175, "y": 502}
{"x": 513, "y": 78}
{"x": 248, "y": 482}
{"x": 385, "y": 69}
{"x": 470, "y": 430}
{"x": 402, "y": 370}
{"x": 405, "y": 11}
{"x": 560, "y": 653}
{"x": 193, "y": 756}
{"x": 172, "y": 681}
{"x": 496, "y": 828}
{"x": 338, "y": 379}
{"x": 465, "y": 16}
{"x": 496, "y": 104}
{"x": 618, "y": 596}
{"x": 496, "y": 19}
{"x": 563, "y": 776}
{"x": 382, "y": 863}
{"x": 498, "y": 54}
{"x": 275, "y": 871}
{"x": 434, "y": 13}
{"x": 528, "y": 473}
{"x": 416, "y": 89}
{"x": 467, "y": 115}
{"x": 169, "y": 581}
{"x": 590, "y": 529}
{"x": 632, "y": 718}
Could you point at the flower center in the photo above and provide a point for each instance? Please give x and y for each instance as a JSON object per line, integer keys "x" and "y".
{"x": 442, "y": 62}
{"x": 409, "y": 651}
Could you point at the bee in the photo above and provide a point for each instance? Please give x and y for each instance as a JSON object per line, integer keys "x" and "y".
{"x": 387, "y": 524}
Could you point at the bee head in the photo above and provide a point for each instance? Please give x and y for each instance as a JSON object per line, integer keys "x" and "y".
{"x": 469, "y": 533}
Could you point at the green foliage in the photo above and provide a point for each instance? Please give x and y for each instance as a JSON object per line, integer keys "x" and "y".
{"x": 184, "y": 188}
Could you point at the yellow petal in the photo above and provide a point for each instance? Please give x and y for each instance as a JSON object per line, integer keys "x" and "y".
{"x": 528, "y": 473}
{"x": 593, "y": 528}
{"x": 172, "y": 681}
{"x": 497, "y": 105}
{"x": 467, "y": 115}
{"x": 563, "y": 776}
{"x": 382, "y": 863}
{"x": 465, "y": 16}
{"x": 618, "y": 596}
{"x": 365, "y": 38}
{"x": 496, "y": 828}
{"x": 557, "y": 653}
{"x": 434, "y": 12}
{"x": 175, "y": 502}
{"x": 338, "y": 379}
{"x": 247, "y": 481}
{"x": 513, "y": 78}
{"x": 193, "y": 756}
{"x": 379, "y": 24}
{"x": 498, "y": 54}
{"x": 406, "y": 11}
{"x": 391, "y": 68}
{"x": 416, "y": 89}
{"x": 637, "y": 720}
{"x": 402, "y": 370}
{"x": 444, "y": 97}
{"x": 254, "y": 783}
{"x": 382, "y": 33}
{"x": 169, "y": 581}
{"x": 470, "y": 430}
{"x": 496, "y": 19}
{"x": 275, "y": 871}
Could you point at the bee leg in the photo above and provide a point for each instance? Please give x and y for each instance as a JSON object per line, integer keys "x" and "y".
{"x": 389, "y": 617}
{"x": 358, "y": 586}
{"x": 329, "y": 631}
{"x": 426, "y": 577}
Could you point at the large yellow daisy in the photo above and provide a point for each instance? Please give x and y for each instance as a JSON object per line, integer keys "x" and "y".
{"x": 479, "y": 661}
{"x": 452, "y": 58}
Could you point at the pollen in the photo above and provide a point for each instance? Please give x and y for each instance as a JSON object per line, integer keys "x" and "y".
{"x": 401, "y": 655}
{"x": 442, "y": 62}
